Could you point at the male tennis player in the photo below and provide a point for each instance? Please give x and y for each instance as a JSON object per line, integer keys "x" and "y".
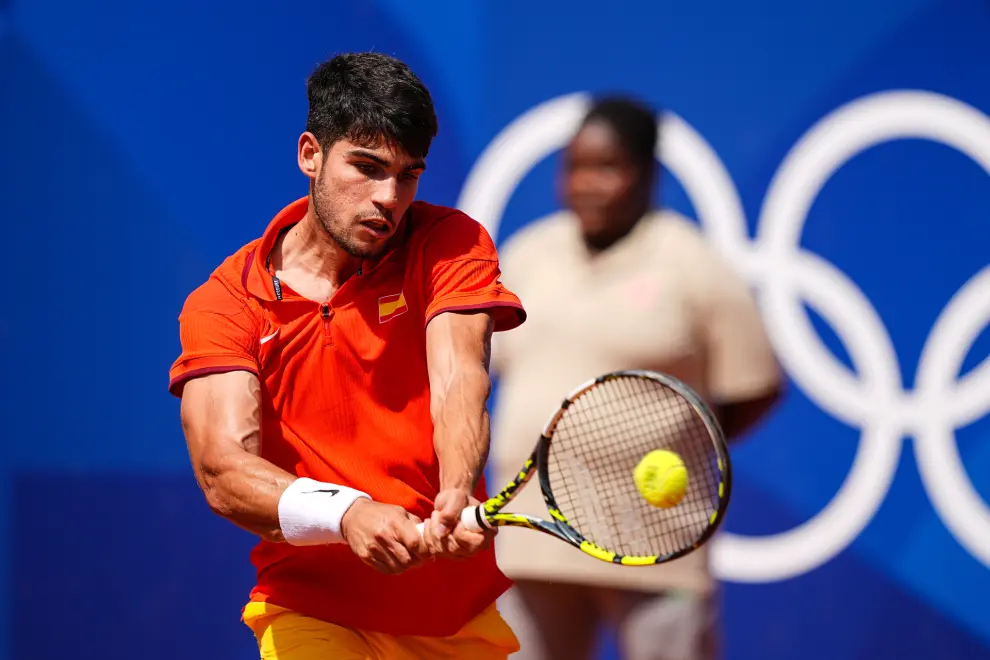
{"x": 334, "y": 378}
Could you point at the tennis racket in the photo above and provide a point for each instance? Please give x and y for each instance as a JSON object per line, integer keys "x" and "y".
{"x": 585, "y": 461}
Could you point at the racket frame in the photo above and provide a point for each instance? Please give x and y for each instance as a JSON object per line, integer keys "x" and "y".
{"x": 489, "y": 514}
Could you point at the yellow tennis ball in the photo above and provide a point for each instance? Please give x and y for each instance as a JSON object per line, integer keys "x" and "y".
{"x": 661, "y": 478}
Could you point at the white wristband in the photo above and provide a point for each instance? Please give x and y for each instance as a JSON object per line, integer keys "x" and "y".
{"x": 309, "y": 512}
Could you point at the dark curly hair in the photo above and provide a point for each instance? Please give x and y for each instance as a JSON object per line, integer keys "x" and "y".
{"x": 370, "y": 98}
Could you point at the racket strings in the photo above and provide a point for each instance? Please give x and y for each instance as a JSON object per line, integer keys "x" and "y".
{"x": 598, "y": 442}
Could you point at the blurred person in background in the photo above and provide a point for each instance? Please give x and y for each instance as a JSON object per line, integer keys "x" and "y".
{"x": 613, "y": 283}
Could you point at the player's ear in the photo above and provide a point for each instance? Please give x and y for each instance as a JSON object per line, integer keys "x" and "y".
{"x": 310, "y": 155}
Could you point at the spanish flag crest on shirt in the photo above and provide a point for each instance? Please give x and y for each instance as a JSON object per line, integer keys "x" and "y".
{"x": 391, "y": 306}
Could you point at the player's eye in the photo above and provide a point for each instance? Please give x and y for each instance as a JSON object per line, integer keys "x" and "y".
{"x": 409, "y": 176}
{"x": 366, "y": 168}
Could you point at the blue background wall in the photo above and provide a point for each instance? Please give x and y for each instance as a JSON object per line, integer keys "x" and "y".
{"x": 142, "y": 143}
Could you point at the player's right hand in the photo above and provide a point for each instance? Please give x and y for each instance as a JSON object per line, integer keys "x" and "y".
{"x": 384, "y": 536}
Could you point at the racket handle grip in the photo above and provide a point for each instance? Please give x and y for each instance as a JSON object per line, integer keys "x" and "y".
{"x": 469, "y": 518}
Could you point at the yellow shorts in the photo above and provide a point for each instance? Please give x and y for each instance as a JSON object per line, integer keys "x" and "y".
{"x": 285, "y": 635}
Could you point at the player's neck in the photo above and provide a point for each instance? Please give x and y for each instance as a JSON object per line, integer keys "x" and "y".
{"x": 308, "y": 252}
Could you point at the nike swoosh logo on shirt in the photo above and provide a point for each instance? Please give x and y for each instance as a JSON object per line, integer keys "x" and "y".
{"x": 269, "y": 337}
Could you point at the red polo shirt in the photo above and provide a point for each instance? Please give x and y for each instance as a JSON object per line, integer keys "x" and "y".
{"x": 345, "y": 399}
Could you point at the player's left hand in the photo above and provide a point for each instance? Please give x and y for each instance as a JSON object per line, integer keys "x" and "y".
{"x": 445, "y": 535}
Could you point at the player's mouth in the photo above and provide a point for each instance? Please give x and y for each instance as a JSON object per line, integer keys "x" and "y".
{"x": 377, "y": 228}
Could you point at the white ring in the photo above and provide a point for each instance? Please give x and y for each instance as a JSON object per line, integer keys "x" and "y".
{"x": 944, "y": 409}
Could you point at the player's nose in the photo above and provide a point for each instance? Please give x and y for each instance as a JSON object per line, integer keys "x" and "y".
{"x": 387, "y": 193}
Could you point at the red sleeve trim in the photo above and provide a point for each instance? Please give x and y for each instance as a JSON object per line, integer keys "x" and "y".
{"x": 176, "y": 385}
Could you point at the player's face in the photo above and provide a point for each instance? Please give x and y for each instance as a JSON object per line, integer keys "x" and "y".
{"x": 361, "y": 193}
{"x": 601, "y": 184}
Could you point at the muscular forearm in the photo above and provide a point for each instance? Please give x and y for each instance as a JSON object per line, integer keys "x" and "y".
{"x": 245, "y": 489}
{"x": 461, "y": 429}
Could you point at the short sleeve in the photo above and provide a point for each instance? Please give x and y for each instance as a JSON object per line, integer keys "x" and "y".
{"x": 741, "y": 364}
{"x": 461, "y": 272}
{"x": 218, "y": 332}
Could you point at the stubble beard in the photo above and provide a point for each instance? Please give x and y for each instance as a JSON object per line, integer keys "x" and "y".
{"x": 336, "y": 228}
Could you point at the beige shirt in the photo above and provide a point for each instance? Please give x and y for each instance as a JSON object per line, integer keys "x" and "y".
{"x": 659, "y": 299}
